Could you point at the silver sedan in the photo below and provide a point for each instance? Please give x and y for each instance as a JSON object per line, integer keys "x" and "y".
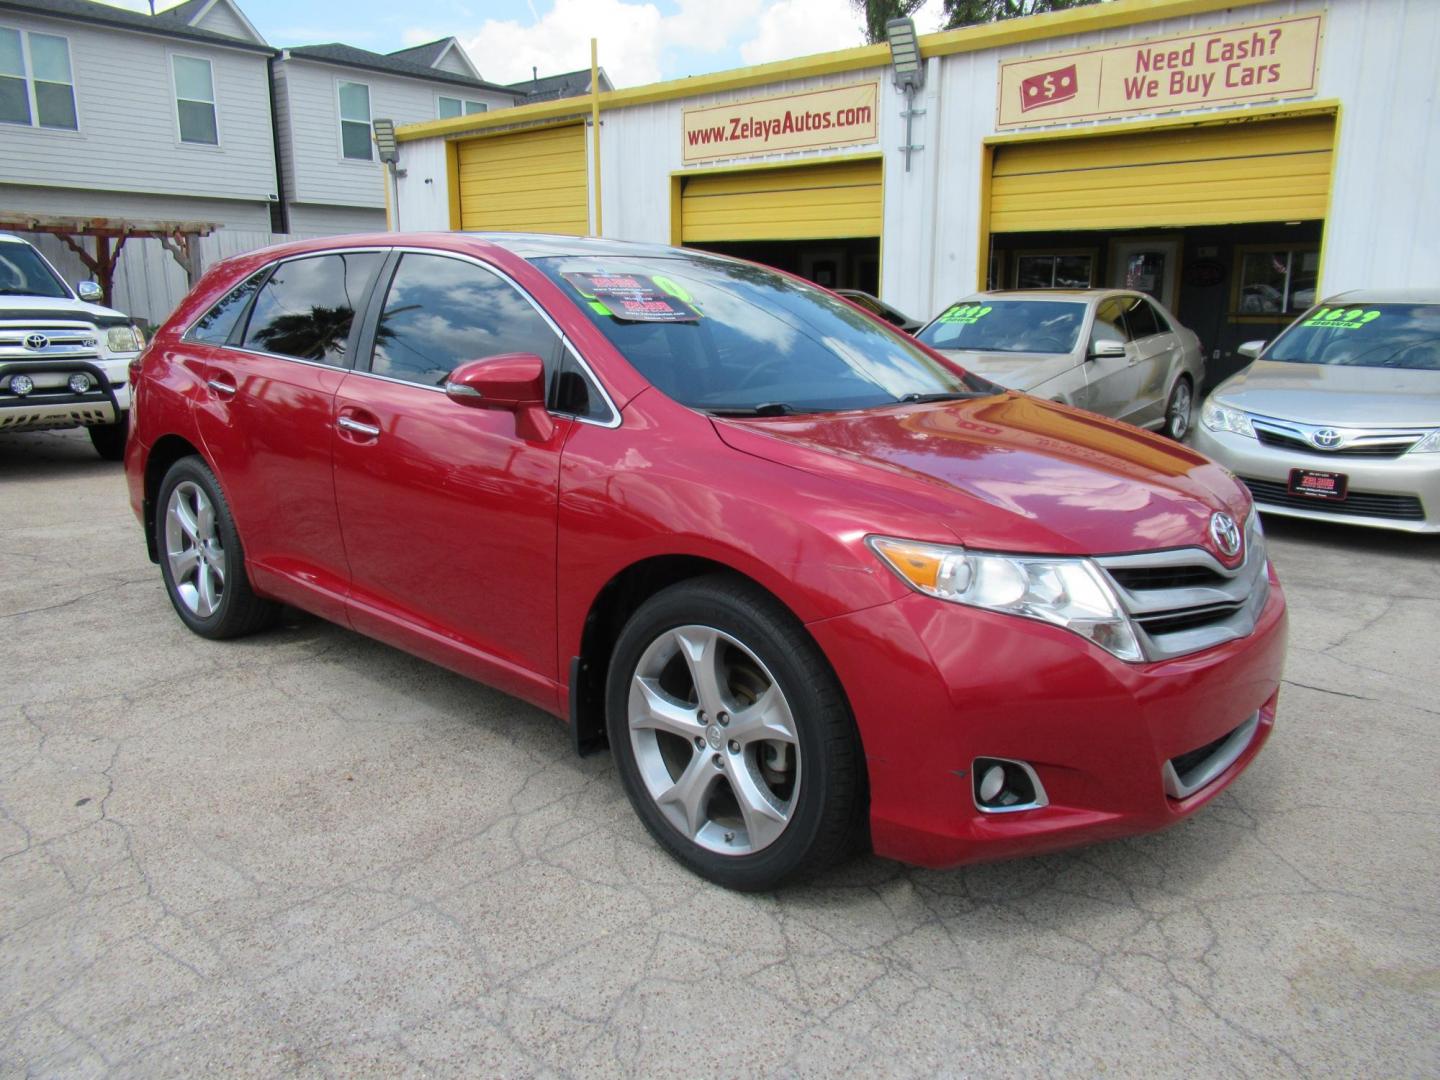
{"x": 1112, "y": 351}
{"x": 1338, "y": 419}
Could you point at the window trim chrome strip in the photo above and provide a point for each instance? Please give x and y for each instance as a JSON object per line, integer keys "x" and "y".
{"x": 265, "y": 269}
{"x": 613, "y": 422}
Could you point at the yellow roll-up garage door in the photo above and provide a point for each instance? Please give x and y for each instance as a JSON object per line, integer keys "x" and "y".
{"x": 1275, "y": 170}
{"x": 526, "y": 181}
{"x": 810, "y": 202}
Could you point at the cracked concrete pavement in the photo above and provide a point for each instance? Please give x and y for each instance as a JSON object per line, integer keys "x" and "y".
{"x": 308, "y": 854}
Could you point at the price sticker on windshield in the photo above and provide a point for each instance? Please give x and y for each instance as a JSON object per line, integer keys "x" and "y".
{"x": 633, "y": 297}
{"x": 1341, "y": 318}
{"x": 965, "y": 314}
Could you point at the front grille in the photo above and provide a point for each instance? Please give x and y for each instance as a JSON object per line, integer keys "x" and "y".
{"x": 62, "y": 340}
{"x": 1390, "y": 449}
{"x": 1164, "y": 577}
{"x": 1358, "y": 503}
{"x": 1184, "y": 601}
{"x": 1174, "y": 621}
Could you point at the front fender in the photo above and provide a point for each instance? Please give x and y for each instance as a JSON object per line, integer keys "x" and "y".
{"x": 650, "y": 489}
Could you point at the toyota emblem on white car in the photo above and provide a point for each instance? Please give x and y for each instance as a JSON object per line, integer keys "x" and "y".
{"x": 1226, "y": 534}
{"x": 1326, "y": 438}
{"x": 36, "y": 341}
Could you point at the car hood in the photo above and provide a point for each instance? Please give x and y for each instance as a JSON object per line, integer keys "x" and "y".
{"x": 1011, "y": 472}
{"x": 1017, "y": 371}
{"x": 1332, "y": 394}
{"x": 58, "y": 307}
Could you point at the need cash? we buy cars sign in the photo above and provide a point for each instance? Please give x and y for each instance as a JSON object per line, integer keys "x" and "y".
{"x": 1254, "y": 62}
{"x": 836, "y": 116}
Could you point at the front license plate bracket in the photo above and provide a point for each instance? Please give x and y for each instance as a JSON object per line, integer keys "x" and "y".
{"x": 1314, "y": 484}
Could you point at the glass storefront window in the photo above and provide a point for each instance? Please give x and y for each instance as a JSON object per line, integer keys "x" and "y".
{"x": 1057, "y": 271}
{"x": 1276, "y": 282}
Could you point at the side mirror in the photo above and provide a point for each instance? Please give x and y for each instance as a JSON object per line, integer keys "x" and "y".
{"x": 1106, "y": 348}
{"x": 512, "y": 382}
{"x": 89, "y": 291}
{"x": 1252, "y": 349}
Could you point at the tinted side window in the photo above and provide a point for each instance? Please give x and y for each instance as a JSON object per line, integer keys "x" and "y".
{"x": 441, "y": 312}
{"x": 307, "y": 307}
{"x": 1110, "y": 322}
{"x": 1160, "y": 320}
{"x": 1140, "y": 317}
{"x": 214, "y": 327}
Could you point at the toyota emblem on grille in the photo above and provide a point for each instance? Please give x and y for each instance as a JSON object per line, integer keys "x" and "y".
{"x": 1326, "y": 438}
{"x": 36, "y": 341}
{"x": 1226, "y": 534}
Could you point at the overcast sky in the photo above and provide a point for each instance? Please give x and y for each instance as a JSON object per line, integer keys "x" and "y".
{"x": 641, "y": 41}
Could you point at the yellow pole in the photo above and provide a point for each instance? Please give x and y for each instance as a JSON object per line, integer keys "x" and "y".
{"x": 595, "y": 131}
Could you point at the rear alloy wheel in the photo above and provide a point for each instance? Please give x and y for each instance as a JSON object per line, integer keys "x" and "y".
{"x": 1179, "y": 409}
{"x": 732, "y": 736}
{"x": 200, "y": 556}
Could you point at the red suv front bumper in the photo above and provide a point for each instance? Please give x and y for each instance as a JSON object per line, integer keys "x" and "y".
{"x": 935, "y": 685}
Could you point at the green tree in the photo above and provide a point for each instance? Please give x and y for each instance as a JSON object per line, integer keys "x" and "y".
{"x": 971, "y": 12}
{"x": 877, "y": 13}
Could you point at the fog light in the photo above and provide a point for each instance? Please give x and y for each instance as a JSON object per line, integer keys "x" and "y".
{"x": 21, "y": 384}
{"x": 1003, "y": 786}
{"x": 79, "y": 383}
{"x": 991, "y": 783}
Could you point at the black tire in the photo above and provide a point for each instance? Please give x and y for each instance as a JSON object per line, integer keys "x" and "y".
{"x": 109, "y": 439}
{"x": 827, "y": 805}
{"x": 237, "y": 610}
{"x": 1177, "y": 426}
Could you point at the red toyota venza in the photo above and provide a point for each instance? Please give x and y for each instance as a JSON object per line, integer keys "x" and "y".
{"x": 814, "y": 584}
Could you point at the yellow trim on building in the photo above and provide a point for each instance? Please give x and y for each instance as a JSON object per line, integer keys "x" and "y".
{"x": 1211, "y": 117}
{"x": 1116, "y": 13}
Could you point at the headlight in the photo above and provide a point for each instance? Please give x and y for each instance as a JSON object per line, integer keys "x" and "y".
{"x": 1428, "y": 445}
{"x": 1070, "y": 593}
{"x": 1218, "y": 417}
{"x": 124, "y": 339}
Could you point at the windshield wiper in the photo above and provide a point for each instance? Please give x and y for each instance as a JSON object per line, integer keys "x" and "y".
{"x": 765, "y": 408}
{"x": 957, "y": 395}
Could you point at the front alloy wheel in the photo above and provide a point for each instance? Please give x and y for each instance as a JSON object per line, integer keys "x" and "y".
{"x": 714, "y": 740}
{"x": 732, "y": 735}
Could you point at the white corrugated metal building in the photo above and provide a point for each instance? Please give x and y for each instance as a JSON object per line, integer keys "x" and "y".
{"x": 1235, "y": 161}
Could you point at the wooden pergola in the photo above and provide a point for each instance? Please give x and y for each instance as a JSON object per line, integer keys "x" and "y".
{"x": 109, "y": 236}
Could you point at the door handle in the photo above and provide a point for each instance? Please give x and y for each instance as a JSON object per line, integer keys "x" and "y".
{"x": 221, "y": 387}
{"x": 358, "y": 427}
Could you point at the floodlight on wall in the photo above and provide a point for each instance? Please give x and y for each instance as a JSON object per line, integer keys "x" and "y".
{"x": 385, "y": 141}
{"x": 389, "y": 150}
{"x": 905, "y": 54}
{"x": 909, "y": 71}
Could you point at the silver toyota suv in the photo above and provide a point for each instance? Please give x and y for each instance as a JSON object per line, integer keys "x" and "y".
{"x": 64, "y": 360}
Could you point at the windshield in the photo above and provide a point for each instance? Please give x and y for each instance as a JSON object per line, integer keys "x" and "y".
{"x": 24, "y": 273}
{"x": 1367, "y": 335}
{"x": 1017, "y": 326}
{"x": 727, "y": 336}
